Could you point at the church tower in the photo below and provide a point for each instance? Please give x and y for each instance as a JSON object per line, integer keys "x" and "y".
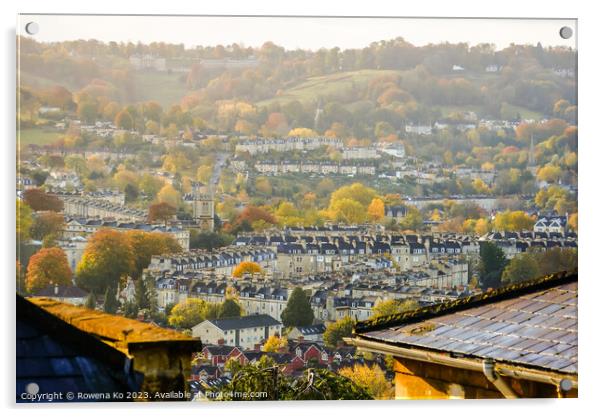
{"x": 203, "y": 207}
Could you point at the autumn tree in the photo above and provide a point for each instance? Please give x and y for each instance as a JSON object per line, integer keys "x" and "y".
{"x": 335, "y": 332}
{"x": 47, "y": 224}
{"x": 46, "y": 267}
{"x": 251, "y": 214}
{"x": 302, "y": 132}
{"x": 187, "y": 314}
{"x": 107, "y": 257}
{"x": 413, "y": 220}
{"x": 162, "y": 212}
{"x": 168, "y": 194}
{"x": 298, "y": 311}
{"x": 275, "y": 344}
{"x": 144, "y": 245}
{"x": 39, "y": 200}
{"x": 372, "y": 379}
{"x": 247, "y": 267}
{"x": 376, "y": 209}
{"x": 124, "y": 120}
{"x": 347, "y": 211}
{"x": 513, "y": 221}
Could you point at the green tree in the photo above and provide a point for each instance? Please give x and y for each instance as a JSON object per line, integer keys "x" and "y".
{"x": 91, "y": 301}
{"x": 265, "y": 376}
{"x": 557, "y": 260}
{"x": 520, "y": 268}
{"x": 335, "y": 332}
{"x": 492, "y": 263}
{"x": 230, "y": 309}
{"x": 298, "y": 311}
{"x": 110, "y": 303}
{"x": 142, "y": 299}
{"x": 24, "y": 221}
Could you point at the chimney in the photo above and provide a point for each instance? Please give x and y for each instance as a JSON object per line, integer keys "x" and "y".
{"x": 220, "y": 342}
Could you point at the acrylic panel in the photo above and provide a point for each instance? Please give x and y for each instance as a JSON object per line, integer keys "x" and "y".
{"x": 238, "y": 208}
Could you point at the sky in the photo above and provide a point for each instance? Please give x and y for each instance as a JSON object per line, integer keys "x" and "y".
{"x": 293, "y": 32}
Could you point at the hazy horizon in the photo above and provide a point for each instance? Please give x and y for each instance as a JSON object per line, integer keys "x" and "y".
{"x": 311, "y": 32}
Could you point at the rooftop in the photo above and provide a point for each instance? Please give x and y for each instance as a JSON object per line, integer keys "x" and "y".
{"x": 116, "y": 331}
{"x": 532, "y": 324}
{"x": 255, "y": 320}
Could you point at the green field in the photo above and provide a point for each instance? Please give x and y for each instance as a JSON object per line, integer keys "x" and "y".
{"x": 164, "y": 88}
{"x": 333, "y": 85}
{"x": 37, "y": 136}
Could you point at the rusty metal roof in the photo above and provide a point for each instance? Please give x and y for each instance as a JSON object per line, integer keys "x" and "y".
{"x": 112, "y": 329}
{"x": 533, "y": 326}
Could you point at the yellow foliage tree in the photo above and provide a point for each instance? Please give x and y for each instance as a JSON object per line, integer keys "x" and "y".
{"x": 168, "y": 194}
{"x": 480, "y": 187}
{"x": 376, "y": 209}
{"x": 549, "y": 173}
{"x": 347, "y": 211}
{"x": 482, "y": 226}
{"x": 513, "y": 221}
{"x": 246, "y": 267}
{"x": 275, "y": 344}
{"x": 371, "y": 378}
{"x": 389, "y": 307}
{"x": 302, "y": 132}
{"x": 573, "y": 221}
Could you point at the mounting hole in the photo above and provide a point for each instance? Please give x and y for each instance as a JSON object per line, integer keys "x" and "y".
{"x": 566, "y": 32}
{"x": 32, "y": 28}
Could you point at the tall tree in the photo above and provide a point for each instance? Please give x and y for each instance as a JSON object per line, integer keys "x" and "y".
{"x": 492, "y": 264}
{"x": 110, "y": 303}
{"x": 298, "y": 311}
{"x": 91, "y": 301}
{"x": 48, "y": 266}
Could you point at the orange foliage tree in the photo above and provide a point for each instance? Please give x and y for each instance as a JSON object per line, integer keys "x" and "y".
{"x": 48, "y": 266}
{"x": 246, "y": 267}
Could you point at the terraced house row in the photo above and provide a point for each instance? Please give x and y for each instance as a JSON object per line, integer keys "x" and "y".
{"x": 332, "y": 296}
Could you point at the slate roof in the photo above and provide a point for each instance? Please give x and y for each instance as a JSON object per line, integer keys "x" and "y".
{"x": 532, "y": 324}
{"x": 255, "y": 320}
{"x": 60, "y": 358}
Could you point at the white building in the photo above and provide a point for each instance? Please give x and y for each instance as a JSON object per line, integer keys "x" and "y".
{"x": 245, "y": 332}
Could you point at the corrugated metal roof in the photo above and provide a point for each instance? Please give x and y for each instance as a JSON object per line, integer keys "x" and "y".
{"x": 536, "y": 329}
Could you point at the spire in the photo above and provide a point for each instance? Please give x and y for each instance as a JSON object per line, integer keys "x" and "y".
{"x": 532, "y": 152}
